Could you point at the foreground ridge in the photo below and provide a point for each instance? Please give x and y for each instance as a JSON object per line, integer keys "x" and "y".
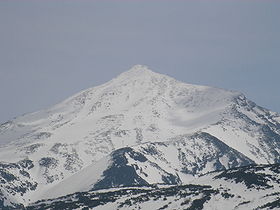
{"x": 249, "y": 187}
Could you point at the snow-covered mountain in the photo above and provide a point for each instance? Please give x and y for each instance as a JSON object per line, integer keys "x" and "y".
{"x": 152, "y": 127}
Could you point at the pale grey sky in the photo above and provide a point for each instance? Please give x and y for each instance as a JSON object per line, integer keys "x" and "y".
{"x": 52, "y": 49}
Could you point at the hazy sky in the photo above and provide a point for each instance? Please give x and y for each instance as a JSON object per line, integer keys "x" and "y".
{"x": 50, "y": 50}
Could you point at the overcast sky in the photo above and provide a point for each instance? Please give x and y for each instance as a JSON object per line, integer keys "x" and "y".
{"x": 50, "y": 50}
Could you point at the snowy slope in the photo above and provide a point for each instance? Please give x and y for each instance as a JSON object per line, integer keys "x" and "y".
{"x": 251, "y": 187}
{"x": 139, "y": 109}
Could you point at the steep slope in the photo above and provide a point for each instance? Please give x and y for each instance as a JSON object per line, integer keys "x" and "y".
{"x": 138, "y": 109}
{"x": 250, "y": 187}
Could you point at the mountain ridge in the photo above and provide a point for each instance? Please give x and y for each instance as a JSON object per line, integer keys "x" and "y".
{"x": 248, "y": 187}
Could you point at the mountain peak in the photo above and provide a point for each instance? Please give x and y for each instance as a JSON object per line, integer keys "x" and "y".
{"x": 139, "y": 68}
{"x": 137, "y": 71}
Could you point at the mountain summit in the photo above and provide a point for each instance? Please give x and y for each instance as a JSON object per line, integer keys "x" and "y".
{"x": 138, "y": 70}
{"x": 140, "y": 128}
{"x": 137, "y": 73}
